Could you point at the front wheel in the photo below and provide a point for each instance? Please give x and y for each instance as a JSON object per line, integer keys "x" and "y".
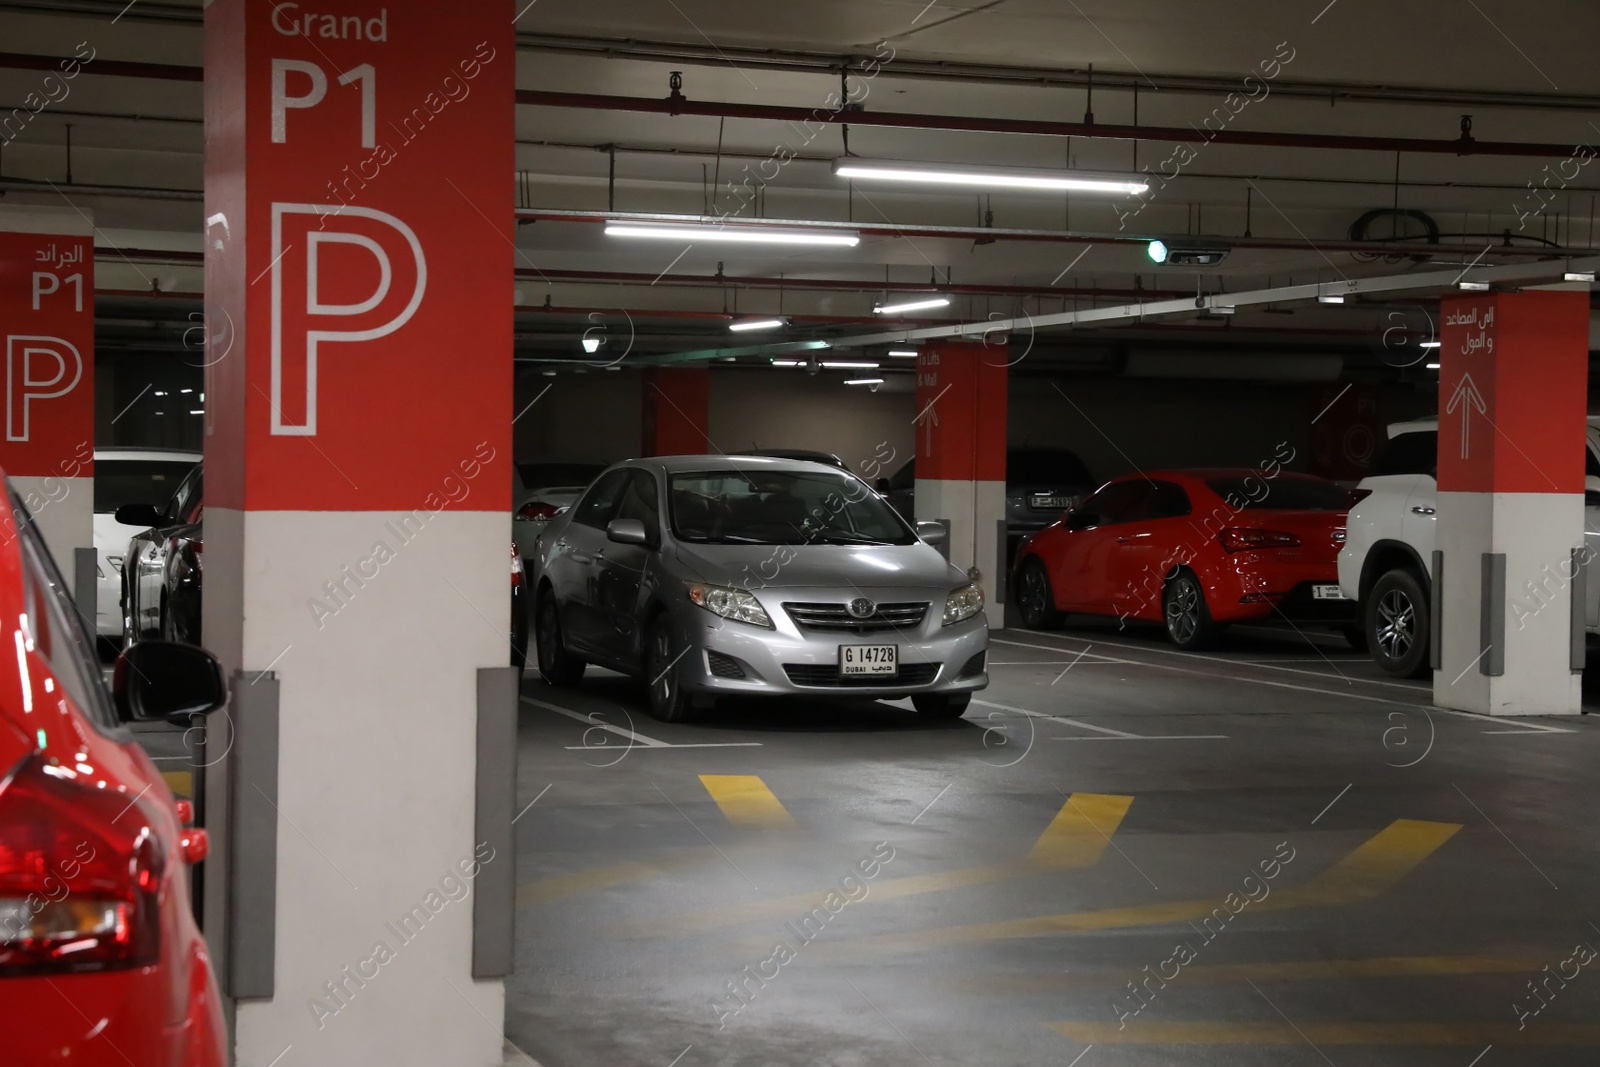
{"x": 938, "y": 706}
{"x": 1188, "y": 619}
{"x": 557, "y": 666}
{"x": 1035, "y": 599}
{"x": 1397, "y": 625}
{"x": 668, "y": 701}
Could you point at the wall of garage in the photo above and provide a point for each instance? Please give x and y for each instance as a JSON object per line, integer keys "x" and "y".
{"x": 588, "y": 417}
{"x": 791, "y": 409}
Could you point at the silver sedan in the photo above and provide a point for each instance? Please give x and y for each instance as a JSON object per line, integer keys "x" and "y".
{"x": 711, "y": 576}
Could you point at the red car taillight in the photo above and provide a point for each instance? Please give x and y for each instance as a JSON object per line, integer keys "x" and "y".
{"x": 518, "y": 573}
{"x": 537, "y": 510}
{"x": 1244, "y": 538}
{"x": 80, "y": 875}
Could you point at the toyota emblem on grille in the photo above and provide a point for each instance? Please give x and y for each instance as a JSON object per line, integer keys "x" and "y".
{"x": 861, "y": 607}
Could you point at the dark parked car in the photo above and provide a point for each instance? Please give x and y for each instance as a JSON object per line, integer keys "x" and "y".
{"x": 161, "y": 569}
{"x": 1041, "y": 483}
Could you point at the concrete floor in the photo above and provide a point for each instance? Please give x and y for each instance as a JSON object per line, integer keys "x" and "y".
{"x": 1092, "y": 814}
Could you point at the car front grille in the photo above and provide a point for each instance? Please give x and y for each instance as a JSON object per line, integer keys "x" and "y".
{"x": 836, "y": 618}
{"x": 827, "y": 676}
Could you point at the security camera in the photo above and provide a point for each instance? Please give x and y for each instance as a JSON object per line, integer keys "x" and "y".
{"x": 1187, "y": 252}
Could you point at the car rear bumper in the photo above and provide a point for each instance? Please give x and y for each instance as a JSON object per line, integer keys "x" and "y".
{"x": 729, "y": 658}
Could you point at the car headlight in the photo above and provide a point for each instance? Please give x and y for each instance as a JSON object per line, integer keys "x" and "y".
{"x": 737, "y": 604}
{"x": 962, "y": 604}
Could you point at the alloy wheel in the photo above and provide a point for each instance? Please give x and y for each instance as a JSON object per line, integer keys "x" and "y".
{"x": 1397, "y": 624}
{"x": 1183, "y": 611}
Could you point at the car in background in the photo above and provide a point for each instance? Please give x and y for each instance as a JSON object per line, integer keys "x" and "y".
{"x": 540, "y": 490}
{"x": 709, "y": 576}
{"x": 126, "y": 476}
{"x": 161, "y": 574}
{"x": 1194, "y": 550}
{"x": 101, "y": 961}
{"x": 1386, "y": 563}
{"x": 1041, "y": 483}
{"x": 825, "y": 458}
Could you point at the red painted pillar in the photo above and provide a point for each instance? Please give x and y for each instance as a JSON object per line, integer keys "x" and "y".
{"x": 47, "y": 343}
{"x": 359, "y": 175}
{"x": 961, "y": 456}
{"x": 1513, "y": 381}
{"x": 677, "y": 406}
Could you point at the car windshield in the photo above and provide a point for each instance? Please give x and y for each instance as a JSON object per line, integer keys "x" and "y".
{"x": 781, "y": 507}
{"x": 1045, "y": 466}
{"x": 136, "y": 481}
{"x": 1283, "y": 494}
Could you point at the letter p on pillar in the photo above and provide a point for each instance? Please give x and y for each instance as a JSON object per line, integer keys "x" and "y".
{"x": 357, "y": 280}
{"x": 37, "y": 368}
{"x": 282, "y": 101}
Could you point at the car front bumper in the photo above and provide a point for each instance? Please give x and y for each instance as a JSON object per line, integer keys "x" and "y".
{"x": 728, "y": 658}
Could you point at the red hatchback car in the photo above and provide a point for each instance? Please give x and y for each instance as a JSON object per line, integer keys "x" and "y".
{"x": 1195, "y": 550}
{"x": 100, "y": 959}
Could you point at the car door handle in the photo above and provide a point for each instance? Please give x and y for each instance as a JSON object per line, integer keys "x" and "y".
{"x": 1420, "y": 510}
{"x": 580, "y": 557}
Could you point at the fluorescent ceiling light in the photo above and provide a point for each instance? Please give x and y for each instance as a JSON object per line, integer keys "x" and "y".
{"x": 756, "y": 324}
{"x": 1330, "y": 298}
{"x": 1579, "y": 276}
{"x": 903, "y": 353}
{"x": 848, "y": 364}
{"x": 1432, "y": 366}
{"x": 1430, "y": 344}
{"x": 760, "y": 235}
{"x": 986, "y": 177}
{"x": 591, "y": 344}
{"x": 787, "y": 363}
{"x": 863, "y": 381}
{"x": 914, "y": 305}
{"x": 1476, "y": 287}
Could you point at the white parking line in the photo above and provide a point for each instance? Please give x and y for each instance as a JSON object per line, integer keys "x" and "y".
{"x": 638, "y": 739}
{"x": 1521, "y": 726}
{"x": 1110, "y": 734}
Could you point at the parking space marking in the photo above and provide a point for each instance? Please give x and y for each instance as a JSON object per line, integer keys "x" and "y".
{"x": 180, "y": 782}
{"x": 639, "y": 740}
{"x": 1521, "y": 726}
{"x": 1329, "y": 1033}
{"x": 1372, "y": 869}
{"x": 746, "y": 801}
{"x": 1081, "y": 831}
{"x": 1108, "y": 734}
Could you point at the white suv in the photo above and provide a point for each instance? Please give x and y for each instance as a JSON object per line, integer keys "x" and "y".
{"x": 1387, "y": 558}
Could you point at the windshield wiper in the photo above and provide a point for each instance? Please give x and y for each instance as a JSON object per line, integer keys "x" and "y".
{"x": 846, "y": 537}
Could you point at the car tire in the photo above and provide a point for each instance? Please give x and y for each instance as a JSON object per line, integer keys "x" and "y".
{"x": 941, "y": 706}
{"x": 1397, "y": 624}
{"x": 1356, "y": 635}
{"x": 1035, "y": 599}
{"x": 668, "y": 701}
{"x": 1184, "y": 610}
{"x": 557, "y": 666}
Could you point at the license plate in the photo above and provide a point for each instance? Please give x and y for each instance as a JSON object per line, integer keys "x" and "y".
{"x": 869, "y": 659}
{"x": 1327, "y": 592}
{"x": 1058, "y": 502}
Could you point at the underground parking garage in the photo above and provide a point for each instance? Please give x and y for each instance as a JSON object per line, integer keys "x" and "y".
{"x": 704, "y": 533}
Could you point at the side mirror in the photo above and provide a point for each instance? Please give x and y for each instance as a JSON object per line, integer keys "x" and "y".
{"x": 627, "y": 532}
{"x": 881, "y": 485}
{"x": 1591, "y": 491}
{"x": 155, "y": 680}
{"x": 932, "y": 533}
{"x": 144, "y": 516}
{"x": 1082, "y": 520}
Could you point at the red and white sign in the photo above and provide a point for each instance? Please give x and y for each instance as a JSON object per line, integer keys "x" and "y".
{"x": 961, "y": 412}
{"x": 47, "y": 333}
{"x": 367, "y": 274}
{"x": 1513, "y": 381}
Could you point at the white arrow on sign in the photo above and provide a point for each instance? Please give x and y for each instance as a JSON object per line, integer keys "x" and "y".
{"x": 1466, "y": 390}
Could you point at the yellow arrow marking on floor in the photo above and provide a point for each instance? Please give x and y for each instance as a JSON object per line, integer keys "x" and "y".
{"x": 1076, "y": 838}
{"x": 1370, "y": 870}
{"x": 180, "y": 782}
{"x": 1081, "y": 831}
{"x": 1472, "y": 1034}
{"x": 746, "y": 801}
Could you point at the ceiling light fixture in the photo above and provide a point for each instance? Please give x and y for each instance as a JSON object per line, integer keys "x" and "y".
{"x": 694, "y": 232}
{"x": 1430, "y": 344}
{"x": 591, "y": 345}
{"x": 787, "y": 363}
{"x": 848, "y": 364}
{"x": 1578, "y": 276}
{"x": 1474, "y": 287}
{"x": 757, "y": 324}
{"x": 863, "y": 381}
{"x": 903, "y": 353}
{"x": 1330, "y": 298}
{"x": 1432, "y": 366}
{"x": 913, "y": 305}
{"x": 1191, "y": 252}
{"x": 890, "y": 170}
